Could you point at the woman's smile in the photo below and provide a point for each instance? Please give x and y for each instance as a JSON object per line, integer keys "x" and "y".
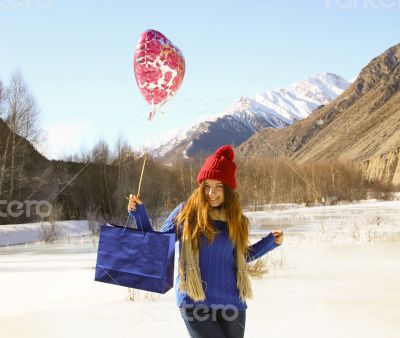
{"x": 215, "y": 202}
{"x": 214, "y": 192}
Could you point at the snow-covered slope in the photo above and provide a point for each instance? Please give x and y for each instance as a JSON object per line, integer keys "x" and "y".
{"x": 300, "y": 99}
{"x": 340, "y": 262}
{"x": 276, "y": 108}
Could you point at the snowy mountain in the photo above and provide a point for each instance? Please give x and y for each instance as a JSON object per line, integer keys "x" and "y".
{"x": 361, "y": 126}
{"x": 276, "y": 108}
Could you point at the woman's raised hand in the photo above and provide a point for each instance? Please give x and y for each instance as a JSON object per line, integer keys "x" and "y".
{"x": 133, "y": 201}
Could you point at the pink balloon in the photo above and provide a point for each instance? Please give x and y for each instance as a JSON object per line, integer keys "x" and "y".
{"x": 159, "y": 68}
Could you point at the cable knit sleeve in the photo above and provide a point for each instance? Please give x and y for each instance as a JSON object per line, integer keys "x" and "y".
{"x": 260, "y": 248}
{"x": 143, "y": 222}
{"x": 169, "y": 225}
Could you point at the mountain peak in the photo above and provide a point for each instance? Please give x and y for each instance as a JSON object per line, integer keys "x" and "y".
{"x": 361, "y": 125}
{"x": 276, "y": 108}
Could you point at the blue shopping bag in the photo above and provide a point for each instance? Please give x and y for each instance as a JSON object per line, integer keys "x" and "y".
{"x": 134, "y": 258}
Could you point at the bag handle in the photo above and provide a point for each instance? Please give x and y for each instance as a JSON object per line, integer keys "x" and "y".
{"x": 129, "y": 222}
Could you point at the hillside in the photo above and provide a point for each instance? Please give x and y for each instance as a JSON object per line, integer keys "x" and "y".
{"x": 361, "y": 125}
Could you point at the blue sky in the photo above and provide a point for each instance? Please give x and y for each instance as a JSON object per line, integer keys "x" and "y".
{"x": 77, "y": 57}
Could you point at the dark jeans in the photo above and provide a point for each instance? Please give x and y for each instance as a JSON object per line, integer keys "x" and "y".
{"x": 204, "y": 322}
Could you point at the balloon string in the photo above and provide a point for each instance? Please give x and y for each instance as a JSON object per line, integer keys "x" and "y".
{"x": 153, "y": 110}
{"x": 141, "y": 175}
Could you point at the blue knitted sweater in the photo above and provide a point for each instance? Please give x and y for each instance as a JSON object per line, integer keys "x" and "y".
{"x": 216, "y": 260}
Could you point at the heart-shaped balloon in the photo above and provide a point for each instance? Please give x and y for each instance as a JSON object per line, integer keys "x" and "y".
{"x": 159, "y": 68}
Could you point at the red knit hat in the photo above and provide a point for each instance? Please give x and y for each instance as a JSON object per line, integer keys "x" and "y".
{"x": 220, "y": 167}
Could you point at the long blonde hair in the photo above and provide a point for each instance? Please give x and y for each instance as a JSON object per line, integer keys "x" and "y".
{"x": 194, "y": 219}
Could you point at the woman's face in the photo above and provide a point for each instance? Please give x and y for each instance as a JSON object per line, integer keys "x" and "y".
{"x": 214, "y": 192}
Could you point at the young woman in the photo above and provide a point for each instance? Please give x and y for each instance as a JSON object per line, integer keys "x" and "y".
{"x": 214, "y": 263}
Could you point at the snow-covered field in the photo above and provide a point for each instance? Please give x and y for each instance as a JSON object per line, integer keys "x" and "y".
{"x": 336, "y": 275}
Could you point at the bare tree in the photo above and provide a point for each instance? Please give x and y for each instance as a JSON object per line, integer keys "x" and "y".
{"x": 3, "y": 96}
{"x": 124, "y": 160}
{"x": 22, "y": 110}
{"x": 101, "y": 155}
{"x": 21, "y": 116}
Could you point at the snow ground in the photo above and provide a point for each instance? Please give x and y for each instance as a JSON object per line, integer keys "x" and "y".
{"x": 336, "y": 275}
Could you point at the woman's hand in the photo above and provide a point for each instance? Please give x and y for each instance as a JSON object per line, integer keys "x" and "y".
{"x": 133, "y": 201}
{"x": 278, "y": 234}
